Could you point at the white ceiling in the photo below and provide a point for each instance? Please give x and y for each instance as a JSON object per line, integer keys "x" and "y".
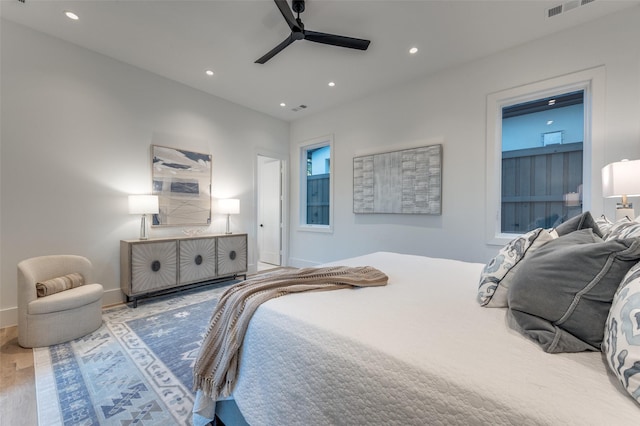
{"x": 180, "y": 39}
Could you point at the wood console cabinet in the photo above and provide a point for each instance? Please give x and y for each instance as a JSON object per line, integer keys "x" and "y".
{"x": 163, "y": 264}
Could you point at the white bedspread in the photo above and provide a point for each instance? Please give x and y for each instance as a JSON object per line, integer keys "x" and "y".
{"x": 417, "y": 351}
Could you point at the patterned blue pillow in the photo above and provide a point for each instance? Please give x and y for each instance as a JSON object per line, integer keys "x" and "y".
{"x": 497, "y": 274}
{"x": 621, "y": 343}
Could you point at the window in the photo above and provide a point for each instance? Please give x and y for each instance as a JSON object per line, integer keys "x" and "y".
{"x": 540, "y": 153}
{"x": 316, "y": 195}
{"x": 542, "y": 150}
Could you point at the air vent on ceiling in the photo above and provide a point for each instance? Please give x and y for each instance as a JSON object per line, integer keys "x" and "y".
{"x": 554, "y": 11}
{"x": 565, "y": 7}
{"x": 298, "y": 108}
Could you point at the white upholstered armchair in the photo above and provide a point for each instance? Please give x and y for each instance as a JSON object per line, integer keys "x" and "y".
{"x": 59, "y": 317}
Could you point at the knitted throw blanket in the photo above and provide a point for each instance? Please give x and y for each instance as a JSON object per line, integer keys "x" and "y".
{"x": 216, "y": 367}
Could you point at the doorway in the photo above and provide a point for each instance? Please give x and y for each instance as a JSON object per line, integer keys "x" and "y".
{"x": 269, "y": 226}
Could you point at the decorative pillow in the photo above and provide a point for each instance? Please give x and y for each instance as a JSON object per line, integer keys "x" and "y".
{"x": 576, "y": 223}
{"x": 624, "y": 228}
{"x": 496, "y": 275}
{"x": 604, "y": 224}
{"x": 621, "y": 343}
{"x": 562, "y": 293}
{"x": 56, "y": 285}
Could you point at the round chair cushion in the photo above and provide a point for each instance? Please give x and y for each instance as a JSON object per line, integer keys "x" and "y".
{"x": 68, "y": 299}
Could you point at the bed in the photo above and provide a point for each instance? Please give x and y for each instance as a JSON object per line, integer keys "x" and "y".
{"x": 419, "y": 350}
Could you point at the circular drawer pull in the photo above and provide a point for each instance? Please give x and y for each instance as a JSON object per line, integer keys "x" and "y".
{"x": 198, "y": 260}
{"x": 155, "y": 265}
{"x": 232, "y": 254}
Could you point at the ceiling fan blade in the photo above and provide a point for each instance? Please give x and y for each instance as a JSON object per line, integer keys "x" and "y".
{"x": 273, "y": 52}
{"x": 336, "y": 40}
{"x": 284, "y": 8}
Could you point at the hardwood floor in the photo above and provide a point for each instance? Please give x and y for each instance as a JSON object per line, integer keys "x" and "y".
{"x": 17, "y": 387}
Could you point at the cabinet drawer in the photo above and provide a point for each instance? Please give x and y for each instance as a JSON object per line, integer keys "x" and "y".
{"x": 197, "y": 260}
{"x": 153, "y": 266}
{"x": 232, "y": 254}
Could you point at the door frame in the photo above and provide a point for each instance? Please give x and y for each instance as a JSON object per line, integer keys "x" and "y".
{"x": 284, "y": 211}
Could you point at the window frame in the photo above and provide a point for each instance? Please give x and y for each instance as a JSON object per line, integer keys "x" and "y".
{"x": 303, "y": 148}
{"x": 592, "y": 82}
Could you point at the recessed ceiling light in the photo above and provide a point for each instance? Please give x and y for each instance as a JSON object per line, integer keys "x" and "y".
{"x": 71, "y": 15}
{"x": 549, "y": 123}
{"x": 209, "y": 73}
{"x": 413, "y": 50}
{"x": 282, "y": 104}
{"x": 331, "y": 84}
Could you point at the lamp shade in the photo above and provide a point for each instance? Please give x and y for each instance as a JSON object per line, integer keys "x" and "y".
{"x": 229, "y": 206}
{"x": 621, "y": 179}
{"x": 143, "y": 204}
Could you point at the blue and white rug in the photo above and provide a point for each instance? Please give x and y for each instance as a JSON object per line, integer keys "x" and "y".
{"x": 136, "y": 369}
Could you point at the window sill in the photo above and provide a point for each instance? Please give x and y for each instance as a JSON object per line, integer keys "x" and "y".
{"x": 328, "y": 229}
{"x": 502, "y": 239}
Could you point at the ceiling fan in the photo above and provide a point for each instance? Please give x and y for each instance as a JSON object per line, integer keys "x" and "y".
{"x": 299, "y": 33}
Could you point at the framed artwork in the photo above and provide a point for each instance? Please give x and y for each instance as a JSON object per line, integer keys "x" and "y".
{"x": 182, "y": 182}
{"x": 405, "y": 182}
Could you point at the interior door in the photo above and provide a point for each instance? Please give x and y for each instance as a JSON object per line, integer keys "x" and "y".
{"x": 269, "y": 210}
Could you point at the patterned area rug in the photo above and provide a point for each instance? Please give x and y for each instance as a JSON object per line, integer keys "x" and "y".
{"x": 135, "y": 369}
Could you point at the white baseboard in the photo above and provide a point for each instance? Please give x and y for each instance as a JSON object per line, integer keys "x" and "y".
{"x": 9, "y": 316}
{"x": 302, "y": 263}
{"x": 112, "y": 297}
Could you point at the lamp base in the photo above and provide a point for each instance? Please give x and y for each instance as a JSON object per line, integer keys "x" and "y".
{"x": 143, "y": 228}
{"x": 228, "y": 231}
{"x": 625, "y": 210}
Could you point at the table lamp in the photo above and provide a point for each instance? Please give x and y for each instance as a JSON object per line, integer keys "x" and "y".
{"x": 228, "y": 206}
{"x": 143, "y": 205}
{"x": 622, "y": 179}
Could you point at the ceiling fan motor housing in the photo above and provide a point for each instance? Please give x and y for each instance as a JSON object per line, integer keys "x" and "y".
{"x": 297, "y": 6}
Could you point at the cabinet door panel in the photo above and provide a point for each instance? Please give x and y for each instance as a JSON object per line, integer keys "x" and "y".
{"x": 232, "y": 254}
{"x": 197, "y": 260}
{"x": 153, "y": 266}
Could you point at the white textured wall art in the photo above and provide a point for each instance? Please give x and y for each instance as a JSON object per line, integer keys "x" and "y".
{"x": 405, "y": 182}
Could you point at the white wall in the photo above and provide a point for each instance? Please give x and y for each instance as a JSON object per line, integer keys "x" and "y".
{"x": 450, "y": 108}
{"x": 76, "y": 132}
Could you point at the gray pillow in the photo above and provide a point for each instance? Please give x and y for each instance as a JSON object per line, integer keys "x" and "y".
{"x": 561, "y": 295}
{"x": 576, "y": 223}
